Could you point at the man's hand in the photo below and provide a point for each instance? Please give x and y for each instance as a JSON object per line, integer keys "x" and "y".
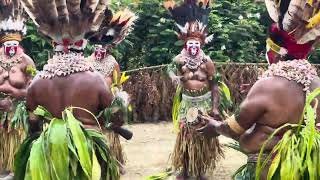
{"x": 209, "y": 129}
{"x": 117, "y": 119}
{"x": 6, "y": 104}
{"x": 176, "y": 80}
{"x": 245, "y": 88}
{"x": 215, "y": 114}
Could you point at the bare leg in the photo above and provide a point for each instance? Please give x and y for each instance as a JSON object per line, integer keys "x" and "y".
{"x": 203, "y": 177}
{"x": 184, "y": 173}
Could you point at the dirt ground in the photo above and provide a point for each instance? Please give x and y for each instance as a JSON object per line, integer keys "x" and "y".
{"x": 148, "y": 152}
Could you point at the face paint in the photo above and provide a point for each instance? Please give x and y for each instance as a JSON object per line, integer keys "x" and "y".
{"x": 193, "y": 47}
{"x": 10, "y": 47}
{"x": 271, "y": 56}
{"x": 99, "y": 53}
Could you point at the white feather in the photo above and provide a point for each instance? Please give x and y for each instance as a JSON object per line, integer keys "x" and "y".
{"x": 209, "y": 39}
{"x": 111, "y": 32}
{"x": 193, "y": 27}
{"x": 272, "y": 10}
{"x": 182, "y": 29}
{"x": 13, "y": 25}
{"x": 203, "y": 28}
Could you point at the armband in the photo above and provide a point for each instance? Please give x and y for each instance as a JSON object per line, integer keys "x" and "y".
{"x": 234, "y": 125}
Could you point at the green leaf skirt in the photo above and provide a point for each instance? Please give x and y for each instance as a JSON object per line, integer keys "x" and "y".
{"x": 65, "y": 150}
{"x": 13, "y": 129}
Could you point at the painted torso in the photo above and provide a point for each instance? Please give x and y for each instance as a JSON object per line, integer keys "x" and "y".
{"x": 13, "y": 75}
{"x": 195, "y": 71}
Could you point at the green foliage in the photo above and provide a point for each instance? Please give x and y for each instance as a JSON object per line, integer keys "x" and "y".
{"x": 239, "y": 34}
{"x": 36, "y": 46}
{"x": 65, "y": 150}
{"x": 239, "y": 28}
{"x": 154, "y": 39}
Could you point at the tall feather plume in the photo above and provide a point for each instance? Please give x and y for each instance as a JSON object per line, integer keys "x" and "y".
{"x": 114, "y": 28}
{"x": 99, "y": 14}
{"x": 293, "y": 15}
{"x": 301, "y": 18}
{"x": 74, "y": 8}
{"x": 273, "y": 9}
{"x": 63, "y": 14}
{"x": 30, "y": 10}
{"x": 91, "y": 6}
{"x": 190, "y": 10}
{"x": 52, "y": 16}
{"x": 65, "y": 20}
{"x": 193, "y": 15}
{"x": 16, "y": 6}
{"x": 11, "y": 19}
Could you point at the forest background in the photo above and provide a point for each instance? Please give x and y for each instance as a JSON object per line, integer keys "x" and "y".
{"x": 239, "y": 28}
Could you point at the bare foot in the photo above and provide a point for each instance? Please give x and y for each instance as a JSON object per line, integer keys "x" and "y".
{"x": 8, "y": 177}
{"x": 182, "y": 176}
{"x": 203, "y": 177}
{"x": 122, "y": 171}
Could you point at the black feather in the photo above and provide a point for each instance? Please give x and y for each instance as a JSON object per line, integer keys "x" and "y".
{"x": 190, "y": 11}
{"x": 284, "y": 5}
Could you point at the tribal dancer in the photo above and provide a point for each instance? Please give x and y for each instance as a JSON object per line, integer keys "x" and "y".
{"x": 67, "y": 95}
{"x": 119, "y": 27}
{"x": 279, "y": 98}
{"x": 282, "y": 45}
{"x": 16, "y": 72}
{"x": 193, "y": 154}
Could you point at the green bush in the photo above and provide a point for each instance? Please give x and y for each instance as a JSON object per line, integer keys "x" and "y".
{"x": 239, "y": 28}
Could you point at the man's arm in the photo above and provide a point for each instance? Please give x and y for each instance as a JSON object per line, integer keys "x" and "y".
{"x": 250, "y": 110}
{"x": 30, "y": 69}
{"x": 173, "y": 69}
{"x": 34, "y": 120}
{"x": 214, "y": 86}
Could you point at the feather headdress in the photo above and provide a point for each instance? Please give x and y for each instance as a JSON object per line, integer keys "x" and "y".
{"x": 114, "y": 28}
{"x": 299, "y": 18}
{"x": 66, "y": 22}
{"x": 12, "y": 25}
{"x": 191, "y": 18}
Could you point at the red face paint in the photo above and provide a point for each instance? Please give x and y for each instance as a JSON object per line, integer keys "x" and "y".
{"x": 272, "y": 57}
{"x": 10, "y": 50}
{"x": 100, "y": 53}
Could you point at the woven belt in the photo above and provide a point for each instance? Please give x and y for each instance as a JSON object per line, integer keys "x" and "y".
{"x": 197, "y": 98}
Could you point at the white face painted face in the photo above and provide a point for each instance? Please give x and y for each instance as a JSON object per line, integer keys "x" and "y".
{"x": 193, "y": 47}
{"x": 10, "y": 47}
{"x": 11, "y": 43}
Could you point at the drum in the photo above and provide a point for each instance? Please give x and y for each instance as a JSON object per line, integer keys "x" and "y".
{"x": 192, "y": 116}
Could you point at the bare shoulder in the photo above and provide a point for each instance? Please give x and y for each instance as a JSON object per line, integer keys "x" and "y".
{"x": 270, "y": 84}
{"x": 178, "y": 59}
{"x": 208, "y": 61}
{"x": 38, "y": 84}
{"x": 264, "y": 89}
{"x": 315, "y": 84}
{"x": 27, "y": 59}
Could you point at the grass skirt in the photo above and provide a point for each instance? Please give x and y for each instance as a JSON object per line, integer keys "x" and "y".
{"x": 195, "y": 152}
{"x": 115, "y": 146}
{"x": 9, "y": 144}
{"x": 65, "y": 150}
{"x": 13, "y": 128}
